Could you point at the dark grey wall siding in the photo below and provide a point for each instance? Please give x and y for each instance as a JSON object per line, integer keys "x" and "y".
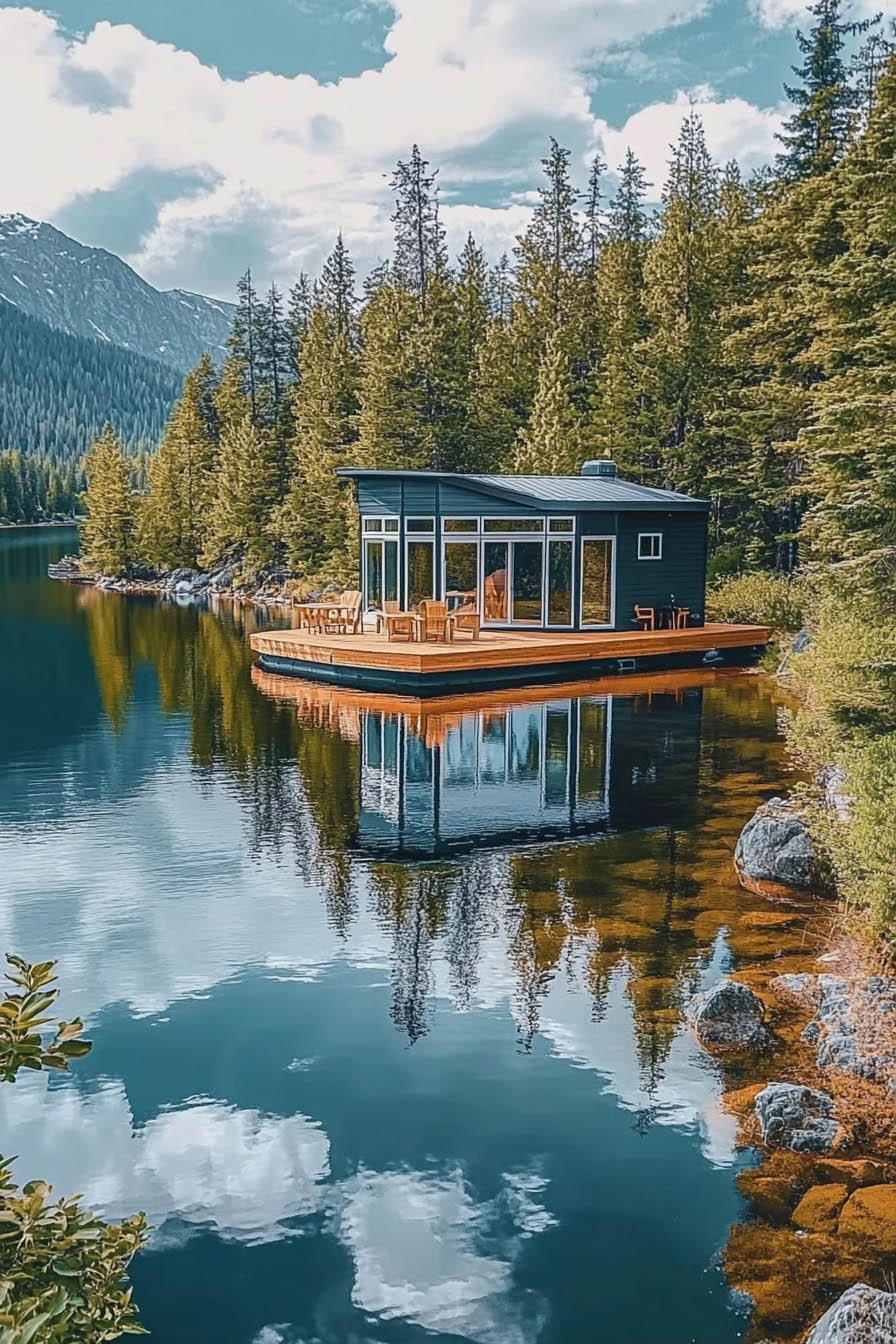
{"x": 652, "y": 583}
{"x": 379, "y": 495}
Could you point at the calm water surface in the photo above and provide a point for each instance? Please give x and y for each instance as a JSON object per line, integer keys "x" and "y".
{"x": 386, "y": 1006}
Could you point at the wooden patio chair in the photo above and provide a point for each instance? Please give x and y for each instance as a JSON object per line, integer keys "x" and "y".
{"x": 645, "y": 617}
{"x": 464, "y": 617}
{"x": 434, "y": 620}
{"x": 682, "y": 617}
{"x": 343, "y": 617}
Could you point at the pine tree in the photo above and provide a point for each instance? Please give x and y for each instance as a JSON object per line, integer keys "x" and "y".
{"x": 615, "y": 424}
{"x": 419, "y": 237}
{"x": 850, "y": 442}
{"x": 594, "y": 222}
{"x": 174, "y": 516}
{"x": 246, "y": 339}
{"x": 551, "y": 443}
{"x": 108, "y": 531}
{"x": 816, "y": 134}
{"x": 298, "y": 317}
{"x": 391, "y": 429}
{"x": 245, "y": 488}
{"x": 681, "y": 295}
{"x": 316, "y": 519}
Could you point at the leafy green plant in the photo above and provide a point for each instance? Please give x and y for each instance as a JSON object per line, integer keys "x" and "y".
{"x": 759, "y": 598}
{"x": 63, "y": 1272}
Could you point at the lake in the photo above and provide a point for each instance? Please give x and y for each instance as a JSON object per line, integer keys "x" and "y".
{"x": 386, "y": 1002}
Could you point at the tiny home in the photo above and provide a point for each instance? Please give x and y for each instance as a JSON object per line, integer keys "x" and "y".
{"x": 553, "y": 553}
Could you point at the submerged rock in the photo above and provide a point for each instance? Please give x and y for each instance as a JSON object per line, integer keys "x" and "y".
{"x": 775, "y": 846}
{"x": 862, "y": 1315}
{"x": 727, "y": 1014}
{"x": 797, "y": 1117}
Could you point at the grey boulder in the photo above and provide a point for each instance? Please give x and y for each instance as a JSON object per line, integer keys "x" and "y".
{"x": 727, "y": 1014}
{"x": 775, "y": 846}
{"x": 796, "y": 1117}
{"x": 861, "y": 1315}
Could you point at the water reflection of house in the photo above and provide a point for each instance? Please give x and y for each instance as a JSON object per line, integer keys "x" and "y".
{"x": 558, "y": 768}
{"x": 440, "y": 776}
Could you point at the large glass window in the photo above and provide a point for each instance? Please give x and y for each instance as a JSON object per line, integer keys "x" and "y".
{"x": 461, "y": 574}
{"x": 494, "y": 580}
{"x": 380, "y": 572}
{"x": 559, "y": 583}
{"x": 513, "y": 524}
{"x": 528, "y": 561}
{"x": 597, "y": 581}
{"x": 421, "y": 571}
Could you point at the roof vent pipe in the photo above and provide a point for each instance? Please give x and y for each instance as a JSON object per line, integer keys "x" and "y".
{"x": 601, "y": 466}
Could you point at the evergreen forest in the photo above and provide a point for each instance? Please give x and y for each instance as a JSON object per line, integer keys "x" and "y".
{"x": 736, "y": 344}
{"x": 56, "y": 392}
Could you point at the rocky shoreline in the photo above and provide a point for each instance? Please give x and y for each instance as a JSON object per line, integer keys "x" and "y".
{"x": 820, "y": 1250}
{"x": 272, "y": 588}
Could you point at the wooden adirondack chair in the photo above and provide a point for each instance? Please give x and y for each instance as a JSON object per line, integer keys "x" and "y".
{"x": 434, "y": 619}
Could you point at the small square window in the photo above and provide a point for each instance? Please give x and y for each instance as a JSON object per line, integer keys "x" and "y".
{"x": 390, "y": 524}
{"x": 373, "y": 524}
{"x": 650, "y": 545}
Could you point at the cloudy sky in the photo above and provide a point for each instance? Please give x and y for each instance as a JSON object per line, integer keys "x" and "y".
{"x": 194, "y": 137}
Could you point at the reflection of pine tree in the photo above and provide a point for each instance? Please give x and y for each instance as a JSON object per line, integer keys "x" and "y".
{"x": 411, "y": 903}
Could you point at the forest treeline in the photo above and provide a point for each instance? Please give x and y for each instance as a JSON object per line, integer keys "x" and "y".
{"x": 56, "y": 393}
{"x": 737, "y": 344}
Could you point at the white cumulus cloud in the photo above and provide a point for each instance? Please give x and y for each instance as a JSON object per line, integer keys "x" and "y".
{"x": 270, "y": 166}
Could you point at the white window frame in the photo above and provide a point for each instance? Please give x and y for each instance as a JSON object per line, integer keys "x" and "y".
{"x": 657, "y": 536}
{"x": 369, "y": 531}
{"x": 420, "y": 518}
{"x": 561, "y": 531}
{"x": 604, "y": 625}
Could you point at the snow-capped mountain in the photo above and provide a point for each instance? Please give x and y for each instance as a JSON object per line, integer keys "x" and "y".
{"x": 87, "y": 291}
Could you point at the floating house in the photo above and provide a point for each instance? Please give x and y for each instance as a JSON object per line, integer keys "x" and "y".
{"x": 522, "y": 580}
{"x": 532, "y": 552}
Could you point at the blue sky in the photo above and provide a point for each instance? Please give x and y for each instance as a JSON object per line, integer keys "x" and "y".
{"x": 195, "y": 137}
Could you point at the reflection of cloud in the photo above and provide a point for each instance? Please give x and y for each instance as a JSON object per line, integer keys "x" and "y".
{"x": 240, "y": 1172}
{"x": 686, "y": 1095}
{"x": 419, "y": 1245}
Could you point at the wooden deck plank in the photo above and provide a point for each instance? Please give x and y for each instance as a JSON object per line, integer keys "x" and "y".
{"x": 496, "y": 649}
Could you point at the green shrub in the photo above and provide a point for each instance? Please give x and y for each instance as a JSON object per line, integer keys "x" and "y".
{"x": 759, "y": 598}
{"x": 63, "y": 1273}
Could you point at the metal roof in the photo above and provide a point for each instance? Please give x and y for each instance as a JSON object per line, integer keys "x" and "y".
{"x": 556, "y": 491}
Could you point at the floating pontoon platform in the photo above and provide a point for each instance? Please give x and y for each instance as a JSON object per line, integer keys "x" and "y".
{"x": 500, "y": 658}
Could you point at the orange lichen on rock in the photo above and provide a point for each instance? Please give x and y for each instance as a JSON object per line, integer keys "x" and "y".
{"x": 869, "y": 1215}
{"x": 820, "y": 1207}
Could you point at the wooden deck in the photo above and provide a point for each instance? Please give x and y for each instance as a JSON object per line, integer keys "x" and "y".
{"x": 370, "y": 661}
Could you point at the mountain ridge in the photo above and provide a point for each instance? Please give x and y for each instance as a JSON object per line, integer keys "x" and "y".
{"x": 92, "y": 293}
